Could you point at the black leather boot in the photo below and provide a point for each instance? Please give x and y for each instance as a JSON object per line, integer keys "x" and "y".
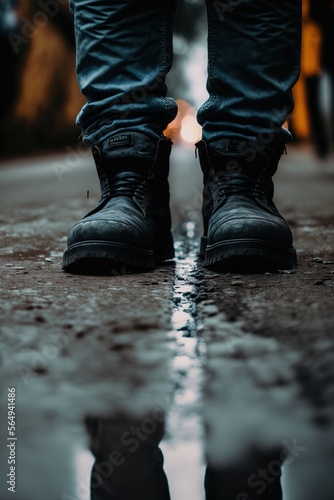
{"x": 243, "y": 230}
{"x": 130, "y": 229}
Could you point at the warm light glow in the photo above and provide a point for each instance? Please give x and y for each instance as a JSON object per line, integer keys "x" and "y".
{"x": 184, "y": 127}
{"x": 190, "y": 130}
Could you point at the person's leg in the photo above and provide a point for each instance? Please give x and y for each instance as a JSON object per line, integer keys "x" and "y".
{"x": 254, "y": 60}
{"x": 123, "y": 55}
{"x": 255, "y": 478}
{"x": 125, "y": 467}
{"x": 124, "y": 51}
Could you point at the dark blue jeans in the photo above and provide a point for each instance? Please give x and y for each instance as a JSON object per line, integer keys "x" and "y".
{"x": 124, "y": 52}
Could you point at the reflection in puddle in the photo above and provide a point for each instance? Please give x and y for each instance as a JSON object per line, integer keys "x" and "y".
{"x": 128, "y": 462}
{"x": 129, "y": 465}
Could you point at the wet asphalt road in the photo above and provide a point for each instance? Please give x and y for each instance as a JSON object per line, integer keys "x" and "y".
{"x": 231, "y": 371}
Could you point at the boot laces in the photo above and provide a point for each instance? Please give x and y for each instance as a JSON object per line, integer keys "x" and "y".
{"x": 127, "y": 182}
{"x": 239, "y": 183}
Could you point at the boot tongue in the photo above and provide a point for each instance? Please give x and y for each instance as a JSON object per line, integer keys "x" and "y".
{"x": 126, "y": 161}
{"x": 129, "y": 147}
{"x": 238, "y": 176}
{"x": 230, "y": 166}
{"x": 125, "y": 175}
{"x": 259, "y": 164}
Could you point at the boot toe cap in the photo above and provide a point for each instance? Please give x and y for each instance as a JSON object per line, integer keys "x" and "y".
{"x": 111, "y": 230}
{"x": 251, "y": 228}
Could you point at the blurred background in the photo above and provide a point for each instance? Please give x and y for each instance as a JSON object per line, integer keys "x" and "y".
{"x": 40, "y": 97}
{"x": 42, "y": 197}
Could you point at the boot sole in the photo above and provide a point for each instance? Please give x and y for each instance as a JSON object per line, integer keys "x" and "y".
{"x": 104, "y": 257}
{"x": 247, "y": 255}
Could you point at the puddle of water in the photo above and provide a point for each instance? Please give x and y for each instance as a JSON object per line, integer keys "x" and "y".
{"x": 183, "y": 444}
